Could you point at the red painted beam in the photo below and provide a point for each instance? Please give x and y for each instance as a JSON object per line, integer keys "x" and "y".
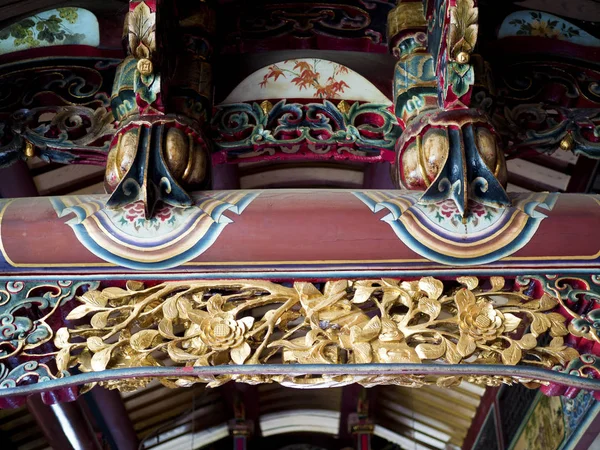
{"x": 295, "y": 233}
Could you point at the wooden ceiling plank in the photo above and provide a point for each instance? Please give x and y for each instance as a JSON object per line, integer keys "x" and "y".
{"x": 463, "y": 397}
{"x": 417, "y": 425}
{"x": 64, "y": 178}
{"x": 437, "y": 401}
{"x": 451, "y": 420}
{"x": 455, "y": 433}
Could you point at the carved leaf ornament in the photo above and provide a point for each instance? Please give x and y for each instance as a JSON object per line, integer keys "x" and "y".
{"x": 208, "y": 323}
{"x": 462, "y": 35}
{"x": 142, "y": 31}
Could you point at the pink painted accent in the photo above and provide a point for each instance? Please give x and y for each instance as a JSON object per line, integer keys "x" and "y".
{"x": 222, "y": 157}
{"x": 239, "y": 443}
{"x": 364, "y": 442}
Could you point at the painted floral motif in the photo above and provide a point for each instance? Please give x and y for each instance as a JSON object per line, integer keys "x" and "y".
{"x": 447, "y": 212}
{"x": 29, "y": 32}
{"x": 549, "y": 28}
{"x": 172, "y": 237}
{"x": 133, "y": 215}
{"x": 545, "y": 429}
{"x": 574, "y": 409}
{"x": 306, "y": 76}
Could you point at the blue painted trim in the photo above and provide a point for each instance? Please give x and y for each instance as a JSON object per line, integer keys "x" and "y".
{"x": 196, "y": 274}
{"x": 573, "y": 440}
{"x": 309, "y": 369}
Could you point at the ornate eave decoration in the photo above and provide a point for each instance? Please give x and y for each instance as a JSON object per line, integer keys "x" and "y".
{"x": 204, "y": 311}
{"x": 410, "y": 333}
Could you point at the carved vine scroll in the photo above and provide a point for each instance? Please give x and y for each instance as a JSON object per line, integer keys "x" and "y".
{"x": 212, "y": 323}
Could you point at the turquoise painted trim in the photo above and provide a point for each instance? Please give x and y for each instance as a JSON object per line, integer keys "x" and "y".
{"x": 309, "y": 369}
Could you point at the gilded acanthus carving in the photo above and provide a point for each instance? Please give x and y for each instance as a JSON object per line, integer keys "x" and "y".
{"x": 462, "y": 34}
{"x": 213, "y": 323}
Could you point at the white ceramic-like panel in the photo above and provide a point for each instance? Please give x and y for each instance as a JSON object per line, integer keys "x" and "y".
{"x": 61, "y": 26}
{"x": 541, "y": 24}
{"x": 306, "y": 78}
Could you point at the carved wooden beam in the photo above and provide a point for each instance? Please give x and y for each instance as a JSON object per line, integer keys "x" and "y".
{"x": 401, "y": 304}
{"x": 532, "y": 330}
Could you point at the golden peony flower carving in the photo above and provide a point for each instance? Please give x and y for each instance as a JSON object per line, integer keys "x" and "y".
{"x": 209, "y": 323}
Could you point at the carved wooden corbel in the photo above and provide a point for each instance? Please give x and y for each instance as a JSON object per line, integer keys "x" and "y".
{"x": 159, "y": 152}
{"x": 447, "y": 149}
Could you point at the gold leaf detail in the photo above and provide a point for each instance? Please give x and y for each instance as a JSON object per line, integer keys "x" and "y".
{"x": 511, "y": 322}
{"x": 95, "y": 343}
{"x": 469, "y": 282}
{"x": 94, "y": 299}
{"x": 100, "y": 319}
{"x": 448, "y": 382}
{"x": 432, "y": 287}
{"x": 547, "y": 302}
{"x": 527, "y": 342}
{"x": 540, "y": 324}
{"x": 135, "y": 286}
{"x": 143, "y": 339}
{"x": 557, "y": 327}
{"x": 240, "y": 354}
{"x": 61, "y": 339}
{"x": 100, "y": 359}
{"x": 62, "y": 359}
{"x": 512, "y": 355}
{"x": 179, "y": 355}
{"x": 142, "y": 30}
{"x": 431, "y": 351}
{"x": 462, "y": 35}
{"x": 452, "y": 352}
{"x": 430, "y": 307}
{"x": 114, "y": 292}
{"x": 211, "y": 323}
{"x": 497, "y": 283}
{"x": 80, "y": 311}
{"x": 466, "y": 345}
{"x": 362, "y": 294}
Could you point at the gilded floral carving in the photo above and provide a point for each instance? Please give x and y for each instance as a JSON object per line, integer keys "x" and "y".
{"x": 212, "y": 323}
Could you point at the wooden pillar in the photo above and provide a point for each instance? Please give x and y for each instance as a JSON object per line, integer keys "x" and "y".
{"x": 361, "y": 426}
{"x": 65, "y": 425}
{"x": 116, "y": 422}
